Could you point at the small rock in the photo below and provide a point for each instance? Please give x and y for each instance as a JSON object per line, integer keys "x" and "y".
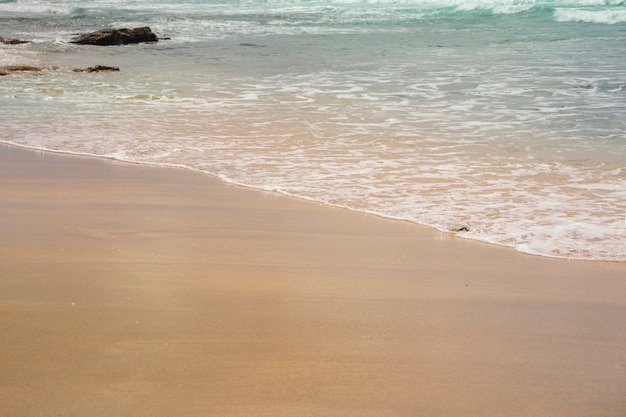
{"x": 7, "y": 69}
{"x": 11, "y": 41}
{"x": 21, "y": 68}
{"x": 97, "y": 68}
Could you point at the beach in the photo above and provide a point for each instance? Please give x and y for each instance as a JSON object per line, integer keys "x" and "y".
{"x": 129, "y": 290}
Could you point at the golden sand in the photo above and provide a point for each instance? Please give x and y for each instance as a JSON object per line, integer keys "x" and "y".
{"x": 138, "y": 291}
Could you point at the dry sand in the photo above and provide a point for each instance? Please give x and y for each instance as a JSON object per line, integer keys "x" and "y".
{"x": 139, "y": 291}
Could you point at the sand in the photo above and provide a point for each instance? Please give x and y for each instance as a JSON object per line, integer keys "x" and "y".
{"x": 128, "y": 290}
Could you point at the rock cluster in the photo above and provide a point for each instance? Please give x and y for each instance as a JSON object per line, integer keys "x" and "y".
{"x": 98, "y": 37}
{"x": 8, "y": 69}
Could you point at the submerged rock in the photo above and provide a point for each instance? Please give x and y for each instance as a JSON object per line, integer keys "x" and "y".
{"x": 7, "y": 69}
{"x": 97, "y": 68}
{"x": 11, "y": 41}
{"x": 106, "y": 37}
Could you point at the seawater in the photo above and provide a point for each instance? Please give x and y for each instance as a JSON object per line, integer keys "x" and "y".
{"x": 501, "y": 121}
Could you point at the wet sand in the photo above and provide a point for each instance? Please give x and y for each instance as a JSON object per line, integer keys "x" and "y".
{"x": 139, "y": 291}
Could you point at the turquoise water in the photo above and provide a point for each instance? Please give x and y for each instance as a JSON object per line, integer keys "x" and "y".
{"x": 505, "y": 118}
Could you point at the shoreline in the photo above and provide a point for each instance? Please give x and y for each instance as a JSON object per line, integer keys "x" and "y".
{"x": 128, "y": 289}
{"x": 214, "y": 176}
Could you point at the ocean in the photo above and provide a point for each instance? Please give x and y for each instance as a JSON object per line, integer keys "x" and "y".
{"x": 499, "y": 121}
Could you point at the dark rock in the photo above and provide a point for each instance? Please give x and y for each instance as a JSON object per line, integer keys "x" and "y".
{"x": 462, "y": 229}
{"x": 97, "y": 68}
{"x": 21, "y": 68}
{"x": 6, "y": 70}
{"x": 107, "y": 37}
{"x": 10, "y": 41}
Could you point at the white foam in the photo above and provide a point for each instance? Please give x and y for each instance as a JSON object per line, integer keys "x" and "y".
{"x": 610, "y": 17}
{"x": 29, "y": 7}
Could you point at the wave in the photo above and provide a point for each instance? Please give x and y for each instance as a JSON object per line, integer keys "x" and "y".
{"x": 593, "y": 11}
{"x": 609, "y": 17}
{"x": 30, "y": 8}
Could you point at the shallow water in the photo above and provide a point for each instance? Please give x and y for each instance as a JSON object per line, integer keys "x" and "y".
{"x": 504, "y": 119}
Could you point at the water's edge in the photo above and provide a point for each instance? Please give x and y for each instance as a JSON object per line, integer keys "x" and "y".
{"x": 289, "y": 195}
